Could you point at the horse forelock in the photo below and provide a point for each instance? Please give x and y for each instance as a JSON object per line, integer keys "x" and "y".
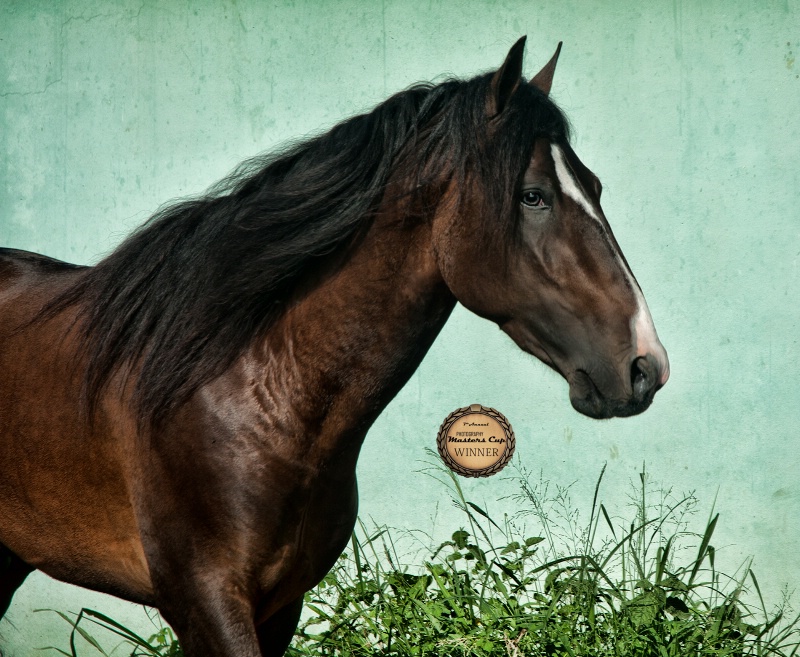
{"x": 180, "y": 299}
{"x": 530, "y": 115}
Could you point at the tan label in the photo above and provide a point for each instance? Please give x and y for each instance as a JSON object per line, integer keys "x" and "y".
{"x": 476, "y": 441}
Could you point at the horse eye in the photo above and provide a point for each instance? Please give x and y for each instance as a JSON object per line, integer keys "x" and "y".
{"x": 532, "y": 199}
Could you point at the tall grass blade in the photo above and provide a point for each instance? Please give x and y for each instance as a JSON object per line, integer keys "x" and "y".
{"x": 701, "y": 552}
{"x": 608, "y": 521}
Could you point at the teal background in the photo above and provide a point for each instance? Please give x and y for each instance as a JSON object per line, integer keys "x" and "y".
{"x": 688, "y": 112}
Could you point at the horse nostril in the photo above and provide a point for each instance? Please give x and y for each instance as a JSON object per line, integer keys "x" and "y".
{"x": 643, "y": 377}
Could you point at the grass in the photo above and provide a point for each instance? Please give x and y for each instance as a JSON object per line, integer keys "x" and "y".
{"x": 161, "y": 643}
{"x": 645, "y": 585}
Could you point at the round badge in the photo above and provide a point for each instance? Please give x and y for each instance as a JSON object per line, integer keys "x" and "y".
{"x": 476, "y": 441}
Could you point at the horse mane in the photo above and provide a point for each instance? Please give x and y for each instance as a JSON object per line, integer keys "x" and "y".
{"x": 184, "y": 295}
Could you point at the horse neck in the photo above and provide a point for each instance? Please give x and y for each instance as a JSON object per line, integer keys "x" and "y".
{"x": 354, "y": 337}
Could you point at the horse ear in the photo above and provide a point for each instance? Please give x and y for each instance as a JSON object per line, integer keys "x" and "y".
{"x": 543, "y": 80}
{"x": 507, "y": 78}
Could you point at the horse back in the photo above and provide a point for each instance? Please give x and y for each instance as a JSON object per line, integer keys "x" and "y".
{"x": 23, "y": 273}
{"x": 15, "y": 262}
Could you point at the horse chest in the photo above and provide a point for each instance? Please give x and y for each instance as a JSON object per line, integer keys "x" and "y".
{"x": 312, "y": 541}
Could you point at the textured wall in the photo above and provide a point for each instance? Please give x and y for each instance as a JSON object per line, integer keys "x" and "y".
{"x": 688, "y": 112}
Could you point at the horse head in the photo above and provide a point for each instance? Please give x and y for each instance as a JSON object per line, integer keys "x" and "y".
{"x": 536, "y": 255}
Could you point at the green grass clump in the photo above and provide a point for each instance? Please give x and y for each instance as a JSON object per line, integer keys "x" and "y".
{"x": 492, "y": 590}
{"x": 641, "y": 586}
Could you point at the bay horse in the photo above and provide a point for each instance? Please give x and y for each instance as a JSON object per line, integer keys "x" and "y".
{"x": 179, "y": 424}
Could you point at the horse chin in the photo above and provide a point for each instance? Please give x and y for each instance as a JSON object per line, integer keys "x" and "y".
{"x": 587, "y": 399}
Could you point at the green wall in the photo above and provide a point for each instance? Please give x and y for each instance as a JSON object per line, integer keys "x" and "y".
{"x": 688, "y": 112}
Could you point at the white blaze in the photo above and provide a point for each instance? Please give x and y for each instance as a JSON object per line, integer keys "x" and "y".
{"x": 644, "y": 331}
{"x": 568, "y": 184}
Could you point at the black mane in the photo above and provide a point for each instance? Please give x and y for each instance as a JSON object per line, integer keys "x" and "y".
{"x": 186, "y": 293}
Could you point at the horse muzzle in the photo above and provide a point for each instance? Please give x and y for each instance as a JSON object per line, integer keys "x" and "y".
{"x": 646, "y": 377}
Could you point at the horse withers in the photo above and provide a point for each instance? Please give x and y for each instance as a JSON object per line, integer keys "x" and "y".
{"x": 181, "y": 422}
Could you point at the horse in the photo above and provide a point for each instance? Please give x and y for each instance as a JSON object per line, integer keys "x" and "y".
{"x": 181, "y": 422}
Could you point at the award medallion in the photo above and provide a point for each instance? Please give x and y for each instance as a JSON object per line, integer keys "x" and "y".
{"x": 476, "y": 441}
